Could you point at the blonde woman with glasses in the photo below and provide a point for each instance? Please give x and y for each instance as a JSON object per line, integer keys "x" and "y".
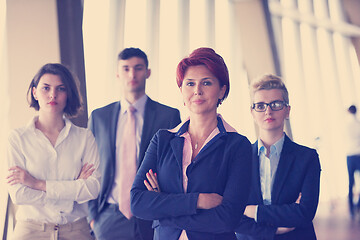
{"x": 285, "y": 177}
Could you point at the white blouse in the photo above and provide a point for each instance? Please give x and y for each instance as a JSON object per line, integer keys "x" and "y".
{"x": 65, "y": 199}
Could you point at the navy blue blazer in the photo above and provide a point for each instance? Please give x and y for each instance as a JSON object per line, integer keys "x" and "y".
{"x": 103, "y": 124}
{"x": 298, "y": 172}
{"x": 222, "y": 166}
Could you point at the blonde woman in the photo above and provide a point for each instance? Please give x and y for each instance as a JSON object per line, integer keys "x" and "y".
{"x": 286, "y": 176}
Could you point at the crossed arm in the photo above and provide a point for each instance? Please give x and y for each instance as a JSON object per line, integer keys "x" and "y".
{"x": 28, "y": 184}
{"x": 20, "y": 176}
{"x": 201, "y": 211}
{"x": 205, "y": 200}
{"x": 282, "y": 218}
{"x": 251, "y": 210}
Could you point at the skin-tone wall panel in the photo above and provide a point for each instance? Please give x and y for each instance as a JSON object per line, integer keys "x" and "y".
{"x": 32, "y": 38}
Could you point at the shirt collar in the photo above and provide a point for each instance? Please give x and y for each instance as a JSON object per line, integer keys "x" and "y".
{"x": 222, "y": 125}
{"x": 66, "y": 129}
{"x": 31, "y": 123}
{"x": 139, "y": 105}
{"x": 276, "y": 148}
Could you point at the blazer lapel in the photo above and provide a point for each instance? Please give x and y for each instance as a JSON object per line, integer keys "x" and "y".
{"x": 256, "y": 174}
{"x": 213, "y": 143}
{"x": 285, "y": 163}
{"x": 149, "y": 120}
{"x": 113, "y": 118}
{"x": 177, "y": 145}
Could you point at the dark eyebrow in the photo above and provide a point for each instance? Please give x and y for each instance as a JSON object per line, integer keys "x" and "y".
{"x": 205, "y": 78}
{"x": 61, "y": 85}
{"x": 140, "y": 65}
{"x": 137, "y": 65}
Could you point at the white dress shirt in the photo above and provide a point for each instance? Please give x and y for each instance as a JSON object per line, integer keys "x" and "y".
{"x": 269, "y": 164}
{"x": 65, "y": 198}
{"x": 139, "y": 105}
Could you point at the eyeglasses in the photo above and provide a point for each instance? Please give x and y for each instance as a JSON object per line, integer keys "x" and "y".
{"x": 275, "y": 106}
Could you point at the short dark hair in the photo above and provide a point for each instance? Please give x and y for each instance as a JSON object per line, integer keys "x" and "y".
{"x": 133, "y": 52}
{"x": 74, "y": 100}
{"x": 352, "y": 109}
{"x": 212, "y": 61}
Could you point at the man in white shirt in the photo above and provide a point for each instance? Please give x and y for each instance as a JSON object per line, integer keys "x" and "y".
{"x": 353, "y": 155}
{"x": 108, "y": 126}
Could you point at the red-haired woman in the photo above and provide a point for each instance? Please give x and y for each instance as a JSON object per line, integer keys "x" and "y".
{"x": 195, "y": 178}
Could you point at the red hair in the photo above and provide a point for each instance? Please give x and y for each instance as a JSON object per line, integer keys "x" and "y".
{"x": 209, "y": 58}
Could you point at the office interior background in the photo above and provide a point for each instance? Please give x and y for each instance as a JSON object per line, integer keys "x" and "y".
{"x": 313, "y": 44}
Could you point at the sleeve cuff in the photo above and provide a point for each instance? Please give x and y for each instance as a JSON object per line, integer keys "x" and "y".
{"x": 255, "y": 214}
{"x": 59, "y": 198}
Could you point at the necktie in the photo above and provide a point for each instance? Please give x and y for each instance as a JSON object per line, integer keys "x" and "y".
{"x": 127, "y": 162}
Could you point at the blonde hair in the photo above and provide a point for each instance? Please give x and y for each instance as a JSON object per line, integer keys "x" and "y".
{"x": 268, "y": 82}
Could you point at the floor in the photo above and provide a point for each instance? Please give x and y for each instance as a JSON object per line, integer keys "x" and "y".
{"x": 333, "y": 222}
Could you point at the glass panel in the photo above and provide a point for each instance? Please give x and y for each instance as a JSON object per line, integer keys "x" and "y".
{"x": 99, "y": 54}
{"x": 320, "y": 67}
{"x": 198, "y": 24}
{"x": 135, "y": 24}
{"x": 169, "y": 54}
{"x": 195, "y": 26}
